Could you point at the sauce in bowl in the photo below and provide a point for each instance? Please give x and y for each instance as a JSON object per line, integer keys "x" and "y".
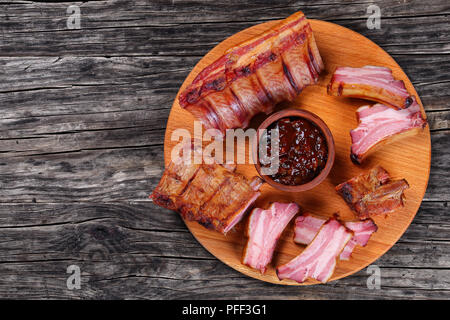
{"x": 303, "y": 151}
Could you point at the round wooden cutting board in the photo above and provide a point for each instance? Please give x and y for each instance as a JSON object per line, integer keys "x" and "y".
{"x": 408, "y": 158}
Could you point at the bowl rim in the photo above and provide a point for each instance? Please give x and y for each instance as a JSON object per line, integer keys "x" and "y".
{"x": 315, "y": 119}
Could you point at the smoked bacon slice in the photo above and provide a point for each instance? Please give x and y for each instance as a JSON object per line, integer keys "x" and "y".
{"x": 307, "y": 226}
{"x": 379, "y": 125}
{"x": 253, "y": 76}
{"x": 370, "y": 83}
{"x": 263, "y": 230}
{"x": 318, "y": 260}
{"x": 373, "y": 193}
{"x": 362, "y": 230}
{"x": 211, "y": 194}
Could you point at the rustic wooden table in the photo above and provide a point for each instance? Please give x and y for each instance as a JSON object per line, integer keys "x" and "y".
{"x": 83, "y": 115}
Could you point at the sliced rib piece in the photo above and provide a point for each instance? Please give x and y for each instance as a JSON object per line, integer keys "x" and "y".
{"x": 228, "y": 204}
{"x": 172, "y": 184}
{"x": 211, "y": 194}
{"x": 379, "y": 125}
{"x": 307, "y": 226}
{"x": 373, "y": 193}
{"x": 264, "y": 229}
{"x": 318, "y": 260}
{"x": 362, "y": 230}
{"x": 371, "y": 83}
{"x": 255, "y": 75}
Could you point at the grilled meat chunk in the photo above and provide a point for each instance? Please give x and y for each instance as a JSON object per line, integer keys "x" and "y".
{"x": 370, "y": 83}
{"x": 211, "y": 194}
{"x": 255, "y": 75}
{"x": 373, "y": 193}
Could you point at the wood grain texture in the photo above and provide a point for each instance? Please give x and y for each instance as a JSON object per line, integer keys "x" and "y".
{"x": 134, "y": 250}
{"x": 409, "y": 159}
{"x": 126, "y": 64}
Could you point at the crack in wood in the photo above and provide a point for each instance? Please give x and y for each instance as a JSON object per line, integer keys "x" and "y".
{"x": 121, "y": 73}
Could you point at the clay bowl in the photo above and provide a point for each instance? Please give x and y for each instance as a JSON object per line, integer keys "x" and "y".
{"x": 311, "y": 117}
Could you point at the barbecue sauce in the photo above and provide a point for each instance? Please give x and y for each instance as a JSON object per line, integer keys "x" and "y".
{"x": 303, "y": 151}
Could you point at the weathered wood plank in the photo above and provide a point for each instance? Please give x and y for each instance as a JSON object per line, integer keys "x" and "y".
{"x": 53, "y": 86}
{"x": 162, "y": 27}
{"x": 89, "y": 116}
{"x": 204, "y": 280}
{"x": 434, "y": 96}
{"x": 148, "y": 221}
{"x": 33, "y": 73}
{"x": 115, "y": 232}
{"x": 125, "y": 13}
{"x": 138, "y": 246}
{"x": 43, "y": 126}
{"x": 131, "y": 135}
{"x": 439, "y": 178}
{"x": 115, "y": 165}
{"x": 146, "y": 116}
{"x": 72, "y": 85}
{"x": 86, "y": 100}
{"x": 89, "y": 85}
{"x": 112, "y": 174}
{"x": 122, "y": 13}
{"x": 80, "y": 147}
{"x": 160, "y": 40}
